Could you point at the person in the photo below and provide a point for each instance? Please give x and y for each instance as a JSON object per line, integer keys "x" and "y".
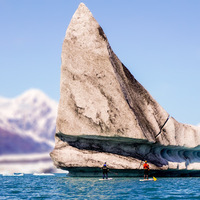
{"x": 105, "y": 171}
{"x": 146, "y": 170}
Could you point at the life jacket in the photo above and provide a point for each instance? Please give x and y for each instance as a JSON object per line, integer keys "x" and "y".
{"x": 146, "y": 166}
{"x": 105, "y": 168}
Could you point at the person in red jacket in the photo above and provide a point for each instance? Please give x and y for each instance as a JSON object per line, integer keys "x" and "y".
{"x": 146, "y": 170}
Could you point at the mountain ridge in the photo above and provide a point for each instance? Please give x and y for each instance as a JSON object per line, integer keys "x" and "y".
{"x": 31, "y": 117}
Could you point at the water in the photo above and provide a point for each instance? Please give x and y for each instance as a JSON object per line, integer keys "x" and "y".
{"x": 61, "y": 187}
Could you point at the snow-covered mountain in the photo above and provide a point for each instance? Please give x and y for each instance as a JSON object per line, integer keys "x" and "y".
{"x": 30, "y": 117}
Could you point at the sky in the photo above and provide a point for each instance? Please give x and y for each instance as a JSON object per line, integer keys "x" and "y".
{"x": 158, "y": 41}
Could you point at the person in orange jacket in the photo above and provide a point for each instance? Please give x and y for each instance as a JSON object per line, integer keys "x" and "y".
{"x": 146, "y": 170}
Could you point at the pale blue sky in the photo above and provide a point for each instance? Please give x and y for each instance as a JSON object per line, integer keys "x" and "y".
{"x": 157, "y": 40}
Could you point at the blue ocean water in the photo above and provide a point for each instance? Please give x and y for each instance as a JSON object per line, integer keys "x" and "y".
{"x": 61, "y": 187}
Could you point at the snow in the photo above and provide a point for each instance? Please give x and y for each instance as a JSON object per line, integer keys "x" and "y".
{"x": 26, "y": 163}
{"x": 27, "y": 157}
{"x": 26, "y": 167}
{"x": 31, "y": 114}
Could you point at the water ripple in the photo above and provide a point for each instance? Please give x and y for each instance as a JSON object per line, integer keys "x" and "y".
{"x": 62, "y": 187}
